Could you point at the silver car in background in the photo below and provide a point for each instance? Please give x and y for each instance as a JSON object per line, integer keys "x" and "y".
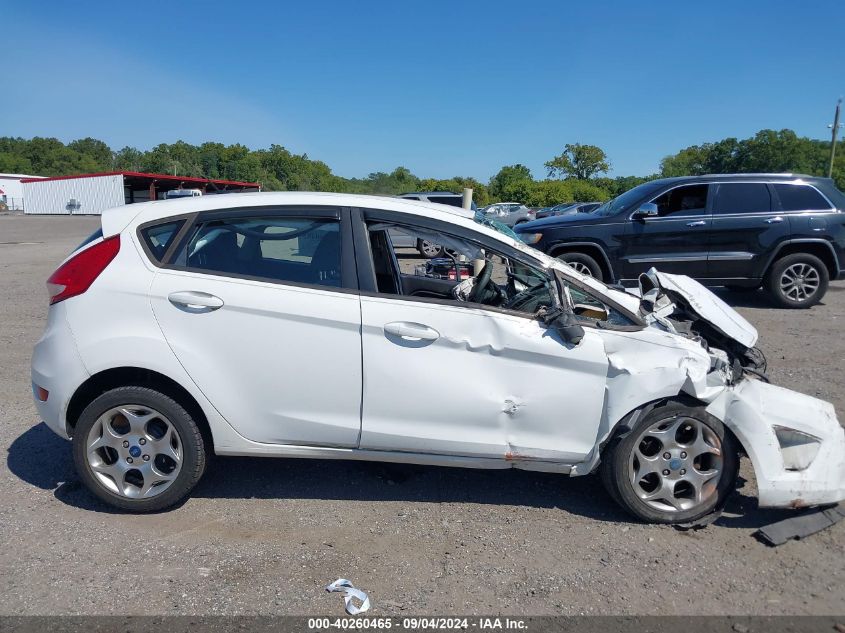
{"x": 509, "y": 213}
{"x": 427, "y": 249}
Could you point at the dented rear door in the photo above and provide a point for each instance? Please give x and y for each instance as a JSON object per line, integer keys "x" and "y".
{"x": 464, "y": 380}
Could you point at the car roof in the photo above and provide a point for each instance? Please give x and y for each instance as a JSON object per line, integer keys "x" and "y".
{"x": 431, "y": 193}
{"x": 763, "y": 177}
{"x": 116, "y": 219}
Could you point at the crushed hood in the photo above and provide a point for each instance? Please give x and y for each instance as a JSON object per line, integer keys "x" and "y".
{"x": 659, "y": 290}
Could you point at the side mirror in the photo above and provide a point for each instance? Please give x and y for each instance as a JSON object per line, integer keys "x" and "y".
{"x": 647, "y": 210}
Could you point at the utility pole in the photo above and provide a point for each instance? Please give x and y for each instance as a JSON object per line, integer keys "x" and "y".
{"x": 835, "y": 129}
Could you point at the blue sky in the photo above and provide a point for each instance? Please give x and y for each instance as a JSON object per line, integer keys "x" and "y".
{"x": 443, "y": 88}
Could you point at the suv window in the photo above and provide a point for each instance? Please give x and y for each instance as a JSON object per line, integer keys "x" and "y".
{"x": 742, "y": 197}
{"x": 298, "y": 250}
{"x": 685, "y": 200}
{"x": 800, "y": 198}
{"x": 454, "y": 201}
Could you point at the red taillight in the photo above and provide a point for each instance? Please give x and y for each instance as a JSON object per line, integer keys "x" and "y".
{"x": 77, "y": 274}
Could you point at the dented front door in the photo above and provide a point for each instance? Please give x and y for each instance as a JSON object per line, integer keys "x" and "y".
{"x": 462, "y": 380}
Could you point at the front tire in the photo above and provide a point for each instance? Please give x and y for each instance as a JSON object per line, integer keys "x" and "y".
{"x": 583, "y": 264}
{"x": 138, "y": 449}
{"x": 675, "y": 465}
{"x": 797, "y": 281}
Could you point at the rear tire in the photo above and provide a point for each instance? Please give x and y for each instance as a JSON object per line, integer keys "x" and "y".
{"x": 798, "y": 281}
{"x": 692, "y": 482}
{"x": 583, "y": 264}
{"x": 138, "y": 449}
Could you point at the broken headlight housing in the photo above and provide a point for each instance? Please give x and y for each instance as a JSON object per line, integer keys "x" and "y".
{"x": 797, "y": 449}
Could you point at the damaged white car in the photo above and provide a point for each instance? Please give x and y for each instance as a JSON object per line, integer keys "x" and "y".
{"x": 286, "y": 324}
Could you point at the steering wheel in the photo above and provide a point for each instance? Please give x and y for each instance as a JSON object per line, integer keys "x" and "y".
{"x": 480, "y": 290}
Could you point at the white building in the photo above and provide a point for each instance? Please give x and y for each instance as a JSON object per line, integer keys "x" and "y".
{"x": 91, "y": 194}
{"x": 11, "y": 190}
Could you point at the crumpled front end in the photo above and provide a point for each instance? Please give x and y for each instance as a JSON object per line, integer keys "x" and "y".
{"x": 795, "y": 442}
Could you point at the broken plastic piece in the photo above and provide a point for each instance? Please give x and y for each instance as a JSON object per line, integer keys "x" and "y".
{"x": 801, "y": 526}
{"x": 349, "y": 591}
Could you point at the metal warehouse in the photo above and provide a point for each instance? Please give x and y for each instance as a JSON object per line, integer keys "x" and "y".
{"x": 91, "y": 194}
{"x": 11, "y": 190}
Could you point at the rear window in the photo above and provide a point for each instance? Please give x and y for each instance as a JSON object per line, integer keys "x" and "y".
{"x": 800, "y": 198}
{"x": 94, "y": 236}
{"x": 745, "y": 197}
{"x": 159, "y": 237}
{"x": 278, "y": 248}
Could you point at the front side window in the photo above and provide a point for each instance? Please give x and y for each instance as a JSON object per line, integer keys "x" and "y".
{"x": 800, "y": 198}
{"x": 285, "y": 249}
{"x": 470, "y": 273}
{"x": 591, "y": 310}
{"x": 742, "y": 197}
{"x": 682, "y": 201}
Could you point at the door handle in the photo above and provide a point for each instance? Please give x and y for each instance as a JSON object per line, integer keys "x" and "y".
{"x": 412, "y": 331}
{"x": 697, "y": 223}
{"x": 775, "y": 220}
{"x": 194, "y": 301}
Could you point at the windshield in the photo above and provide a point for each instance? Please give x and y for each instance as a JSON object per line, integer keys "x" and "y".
{"x": 504, "y": 229}
{"x": 628, "y": 198}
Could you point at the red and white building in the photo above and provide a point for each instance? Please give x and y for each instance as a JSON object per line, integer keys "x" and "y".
{"x": 11, "y": 190}
{"x": 91, "y": 194}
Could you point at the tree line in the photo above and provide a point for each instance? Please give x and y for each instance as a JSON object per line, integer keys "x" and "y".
{"x": 576, "y": 175}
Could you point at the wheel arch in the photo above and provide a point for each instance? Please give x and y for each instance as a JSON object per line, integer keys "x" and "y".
{"x": 819, "y": 248}
{"x": 108, "y": 379}
{"x": 587, "y": 248}
{"x": 625, "y": 423}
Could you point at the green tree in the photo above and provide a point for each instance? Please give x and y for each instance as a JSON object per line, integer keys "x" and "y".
{"x": 96, "y": 150}
{"x": 578, "y": 161}
{"x": 513, "y": 182}
{"x": 128, "y": 158}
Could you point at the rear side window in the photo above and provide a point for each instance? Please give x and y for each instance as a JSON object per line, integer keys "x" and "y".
{"x": 686, "y": 200}
{"x": 742, "y": 197}
{"x": 800, "y": 198}
{"x": 159, "y": 237}
{"x": 284, "y": 249}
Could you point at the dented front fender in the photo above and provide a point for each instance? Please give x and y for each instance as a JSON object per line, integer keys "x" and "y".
{"x": 788, "y": 474}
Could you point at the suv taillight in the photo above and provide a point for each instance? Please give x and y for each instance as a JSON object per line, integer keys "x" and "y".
{"x": 77, "y": 274}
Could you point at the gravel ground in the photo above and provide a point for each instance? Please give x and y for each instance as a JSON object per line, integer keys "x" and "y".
{"x": 263, "y": 536}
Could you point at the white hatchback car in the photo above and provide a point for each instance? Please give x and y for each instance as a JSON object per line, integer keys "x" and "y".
{"x": 283, "y": 324}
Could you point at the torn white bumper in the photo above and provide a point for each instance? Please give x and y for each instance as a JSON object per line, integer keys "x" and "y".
{"x": 753, "y": 410}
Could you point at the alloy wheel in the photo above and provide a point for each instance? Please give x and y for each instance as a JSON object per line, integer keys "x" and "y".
{"x": 581, "y": 268}
{"x": 676, "y": 464}
{"x": 134, "y": 451}
{"x": 800, "y": 281}
{"x": 430, "y": 249}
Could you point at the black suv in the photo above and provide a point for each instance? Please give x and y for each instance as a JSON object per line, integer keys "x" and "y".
{"x": 782, "y": 231}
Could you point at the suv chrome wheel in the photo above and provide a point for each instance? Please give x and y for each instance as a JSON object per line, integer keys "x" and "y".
{"x": 676, "y": 464}
{"x": 581, "y": 268}
{"x": 799, "y": 282}
{"x": 134, "y": 451}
